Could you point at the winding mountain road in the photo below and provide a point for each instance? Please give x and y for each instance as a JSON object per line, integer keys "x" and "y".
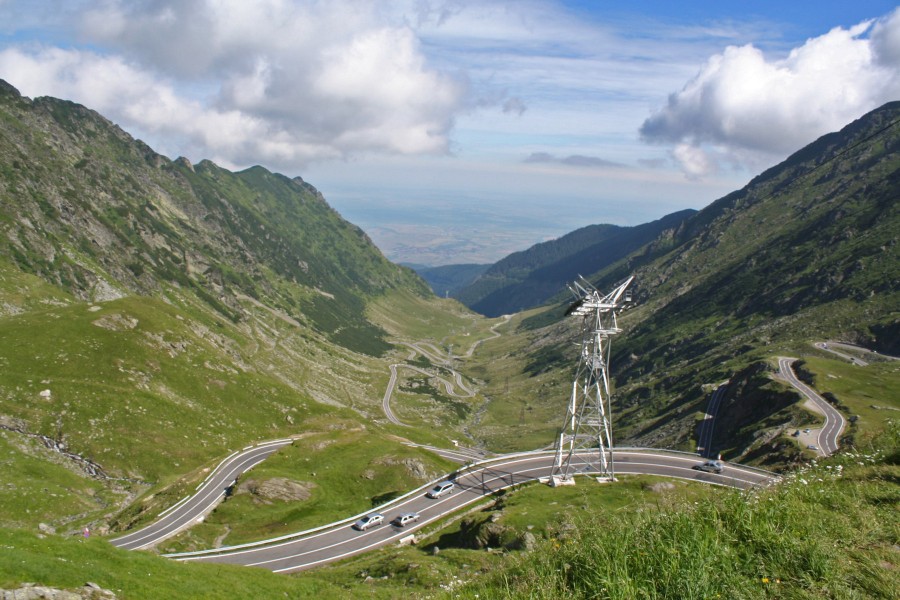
{"x": 449, "y": 386}
{"x": 474, "y": 481}
{"x": 314, "y": 547}
{"x": 495, "y": 335}
{"x": 208, "y": 494}
{"x": 435, "y": 355}
{"x": 827, "y": 438}
{"x": 854, "y": 360}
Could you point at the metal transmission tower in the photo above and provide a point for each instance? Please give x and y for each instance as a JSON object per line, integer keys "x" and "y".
{"x": 585, "y": 442}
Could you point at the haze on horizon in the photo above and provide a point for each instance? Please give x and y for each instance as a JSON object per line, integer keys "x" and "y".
{"x": 460, "y": 131}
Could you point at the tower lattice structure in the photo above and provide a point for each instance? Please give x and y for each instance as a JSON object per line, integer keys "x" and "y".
{"x": 585, "y": 440}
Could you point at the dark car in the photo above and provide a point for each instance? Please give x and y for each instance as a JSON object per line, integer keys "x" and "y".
{"x": 369, "y": 521}
{"x": 711, "y": 466}
{"x": 405, "y": 518}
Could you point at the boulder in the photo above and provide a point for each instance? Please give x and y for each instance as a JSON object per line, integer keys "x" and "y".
{"x": 277, "y": 488}
{"x": 48, "y": 529}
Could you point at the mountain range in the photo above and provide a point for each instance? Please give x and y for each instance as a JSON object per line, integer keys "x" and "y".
{"x": 808, "y": 250}
{"x": 102, "y": 215}
{"x": 156, "y": 314}
{"x": 531, "y": 277}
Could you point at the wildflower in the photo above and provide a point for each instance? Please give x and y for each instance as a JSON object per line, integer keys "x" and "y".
{"x": 765, "y": 580}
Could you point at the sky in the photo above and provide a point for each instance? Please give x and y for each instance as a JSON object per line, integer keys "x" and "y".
{"x": 458, "y": 131}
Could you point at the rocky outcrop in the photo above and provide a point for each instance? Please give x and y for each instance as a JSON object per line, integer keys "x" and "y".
{"x": 491, "y": 533}
{"x": 277, "y": 488}
{"x": 31, "y": 591}
{"x": 86, "y": 465}
{"x": 414, "y": 467}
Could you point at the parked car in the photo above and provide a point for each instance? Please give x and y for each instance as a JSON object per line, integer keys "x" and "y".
{"x": 444, "y": 487}
{"x": 813, "y": 447}
{"x": 403, "y": 519}
{"x": 369, "y": 521}
{"x": 711, "y": 466}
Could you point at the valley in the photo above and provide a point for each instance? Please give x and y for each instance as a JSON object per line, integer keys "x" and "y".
{"x": 214, "y": 366}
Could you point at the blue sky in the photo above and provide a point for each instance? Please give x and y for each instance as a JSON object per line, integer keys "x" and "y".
{"x": 460, "y": 131}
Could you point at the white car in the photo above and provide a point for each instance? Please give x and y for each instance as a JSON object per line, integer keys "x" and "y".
{"x": 444, "y": 487}
{"x": 369, "y": 521}
{"x": 405, "y": 518}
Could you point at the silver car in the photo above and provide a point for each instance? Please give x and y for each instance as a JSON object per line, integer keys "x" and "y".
{"x": 444, "y": 487}
{"x": 369, "y": 521}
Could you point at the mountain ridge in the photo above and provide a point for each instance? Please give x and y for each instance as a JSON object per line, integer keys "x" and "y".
{"x": 808, "y": 250}
{"x": 108, "y": 213}
{"x": 533, "y": 276}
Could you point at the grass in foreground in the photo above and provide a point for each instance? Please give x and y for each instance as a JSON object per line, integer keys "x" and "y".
{"x": 68, "y": 563}
{"x": 830, "y": 531}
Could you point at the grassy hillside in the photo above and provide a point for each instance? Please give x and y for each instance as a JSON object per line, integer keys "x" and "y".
{"x": 99, "y": 214}
{"x": 829, "y": 532}
{"x": 155, "y": 315}
{"x": 448, "y": 280}
{"x": 806, "y": 252}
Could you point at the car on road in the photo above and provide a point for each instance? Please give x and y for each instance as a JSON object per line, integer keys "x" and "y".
{"x": 369, "y": 521}
{"x": 444, "y": 487}
{"x": 404, "y": 519}
{"x": 711, "y": 466}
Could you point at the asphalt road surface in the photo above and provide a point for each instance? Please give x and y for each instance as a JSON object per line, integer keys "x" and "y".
{"x": 706, "y": 426}
{"x": 208, "y": 494}
{"x": 827, "y": 439}
{"x": 330, "y": 543}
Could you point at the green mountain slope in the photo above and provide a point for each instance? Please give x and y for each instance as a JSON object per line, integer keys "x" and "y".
{"x": 448, "y": 280}
{"x": 155, "y": 315}
{"x": 807, "y": 251}
{"x": 101, "y": 215}
{"x": 529, "y": 278}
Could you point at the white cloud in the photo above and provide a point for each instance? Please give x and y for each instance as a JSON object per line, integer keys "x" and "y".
{"x": 694, "y": 161}
{"x": 128, "y": 95}
{"x": 886, "y": 40}
{"x": 274, "y": 82}
{"x": 744, "y": 108}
